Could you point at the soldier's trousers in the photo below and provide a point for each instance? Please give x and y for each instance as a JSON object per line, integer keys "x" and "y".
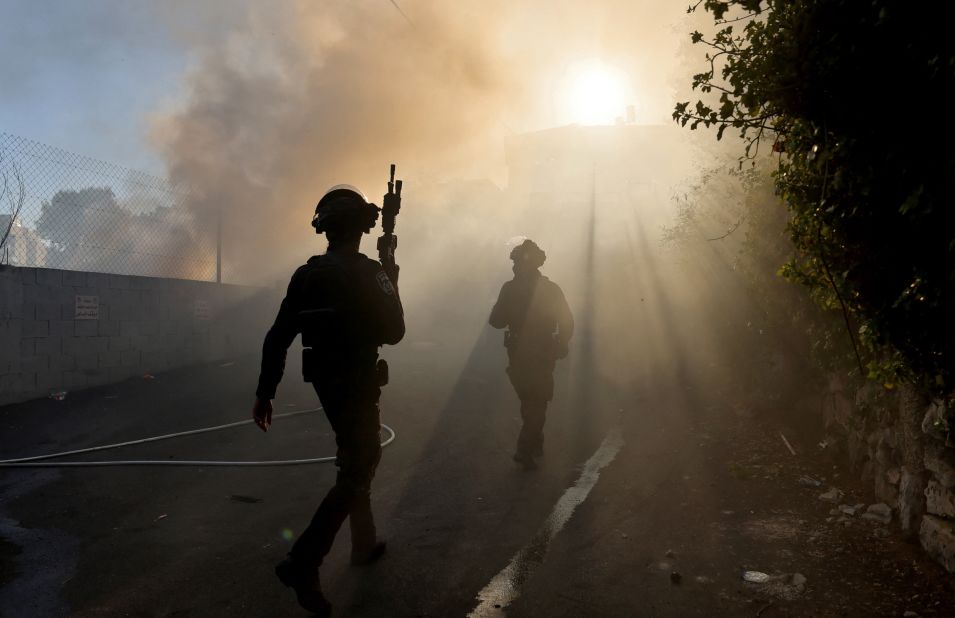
{"x": 533, "y": 381}
{"x": 531, "y": 439}
{"x": 354, "y": 416}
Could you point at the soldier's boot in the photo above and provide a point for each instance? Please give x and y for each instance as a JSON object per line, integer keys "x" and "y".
{"x": 305, "y": 583}
{"x": 526, "y": 460}
{"x": 362, "y": 557}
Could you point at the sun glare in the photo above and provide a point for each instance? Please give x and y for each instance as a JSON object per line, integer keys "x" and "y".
{"x": 593, "y": 93}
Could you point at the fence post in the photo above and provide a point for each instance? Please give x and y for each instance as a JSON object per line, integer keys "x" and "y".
{"x": 219, "y": 245}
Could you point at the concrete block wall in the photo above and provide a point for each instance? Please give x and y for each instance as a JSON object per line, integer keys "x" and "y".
{"x": 142, "y": 325}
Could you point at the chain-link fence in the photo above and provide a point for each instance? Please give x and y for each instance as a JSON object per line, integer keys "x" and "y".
{"x": 63, "y": 210}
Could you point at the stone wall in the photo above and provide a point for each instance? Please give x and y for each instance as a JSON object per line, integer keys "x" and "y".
{"x": 904, "y": 444}
{"x": 66, "y": 330}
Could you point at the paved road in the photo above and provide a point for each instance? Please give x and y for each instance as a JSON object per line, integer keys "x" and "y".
{"x": 664, "y": 519}
{"x": 453, "y": 506}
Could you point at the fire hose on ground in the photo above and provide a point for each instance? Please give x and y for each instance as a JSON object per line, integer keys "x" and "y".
{"x": 39, "y": 461}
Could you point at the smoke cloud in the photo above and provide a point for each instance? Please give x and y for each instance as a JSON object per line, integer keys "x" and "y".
{"x": 286, "y": 100}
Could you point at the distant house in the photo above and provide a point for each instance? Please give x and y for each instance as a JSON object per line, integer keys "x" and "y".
{"x": 23, "y": 247}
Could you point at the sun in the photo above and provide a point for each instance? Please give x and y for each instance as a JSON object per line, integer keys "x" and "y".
{"x": 592, "y": 93}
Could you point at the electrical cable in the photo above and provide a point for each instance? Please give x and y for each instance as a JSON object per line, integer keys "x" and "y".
{"x": 36, "y": 461}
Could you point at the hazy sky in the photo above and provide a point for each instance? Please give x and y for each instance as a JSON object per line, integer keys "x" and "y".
{"x": 91, "y": 76}
{"x": 261, "y": 105}
{"x": 81, "y": 75}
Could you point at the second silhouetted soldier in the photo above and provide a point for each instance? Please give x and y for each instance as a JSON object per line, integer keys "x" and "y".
{"x": 345, "y": 306}
{"x": 540, "y": 325}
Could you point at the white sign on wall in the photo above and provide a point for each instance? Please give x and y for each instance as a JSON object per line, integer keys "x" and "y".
{"x": 87, "y": 307}
{"x": 201, "y": 310}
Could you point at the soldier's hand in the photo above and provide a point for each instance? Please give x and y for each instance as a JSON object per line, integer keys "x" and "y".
{"x": 262, "y": 413}
{"x": 563, "y": 348}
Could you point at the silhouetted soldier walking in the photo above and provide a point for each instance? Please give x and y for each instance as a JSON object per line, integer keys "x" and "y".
{"x": 540, "y": 325}
{"x": 345, "y": 306}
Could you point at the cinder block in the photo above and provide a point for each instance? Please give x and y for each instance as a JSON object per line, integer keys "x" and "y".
{"x": 49, "y": 382}
{"x": 118, "y": 344}
{"x": 128, "y": 328}
{"x": 99, "y": 281}
{"x": 148, "y": 343}
{"x": 35, "y": 364}
{"x": 62, "y": 362}
{"x": 144, "y": 283}
{"x": 119, "y": 282}
{"x": 74, "y": 380}
{"x": 110, "y": 359}
{"x": 154, "y": 361}
{"x": 131, "y": 358}
{"x": 96, "y": 377}
{"x": 86, "y": 328}
{"x": 149, "y": 327}
{"x": 61, "y": 328}
{"x": 27, "y": 346}
{"x": 43, "y": 309}
{"x": 87, "y": 361}
{"x": 74, "y": 278}
{"x": 74, "y": 346}
{"x": 110, "y": 297}
{"x": 34, "y": 293}
{"x": 118, "y": 374}
{"x": 27, "y": 276}
{"x": 10, "y": 383}
{"x": 48, "y": 345}
{"x": 49, "y": 276}
{"x": 27, "y": 381}
{"x": 108, "y": 328}
{"x": 99, "y": 344}
{"x": 35, "y": 328}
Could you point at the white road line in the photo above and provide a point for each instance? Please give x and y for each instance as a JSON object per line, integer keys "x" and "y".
{"x": 506, "y": 586}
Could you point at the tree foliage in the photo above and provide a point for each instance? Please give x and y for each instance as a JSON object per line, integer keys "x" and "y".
{"x": 849, "y": 94}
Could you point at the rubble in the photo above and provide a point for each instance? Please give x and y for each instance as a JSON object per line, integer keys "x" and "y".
{"x": 880, "y": 512}
{"x": 850, "y": 510}
{"x": 833, "y": 495}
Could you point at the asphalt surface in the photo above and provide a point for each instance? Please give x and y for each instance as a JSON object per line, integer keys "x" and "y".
{"x": 696, "y": 490}
{"x": 693, "y": 489}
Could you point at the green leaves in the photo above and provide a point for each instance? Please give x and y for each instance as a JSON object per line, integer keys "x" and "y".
{"x": 866, "y": 192}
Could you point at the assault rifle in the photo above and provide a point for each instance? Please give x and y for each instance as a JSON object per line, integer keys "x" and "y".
{"x": 388, "y": 242}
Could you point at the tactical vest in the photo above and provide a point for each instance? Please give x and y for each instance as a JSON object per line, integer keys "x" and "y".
{"x": 333, "y": 318}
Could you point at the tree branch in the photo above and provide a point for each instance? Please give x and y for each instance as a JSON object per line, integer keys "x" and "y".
{"x": 730, "y": 231}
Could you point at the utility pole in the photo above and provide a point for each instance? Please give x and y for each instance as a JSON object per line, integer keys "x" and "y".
{"x": 219, "y": 245}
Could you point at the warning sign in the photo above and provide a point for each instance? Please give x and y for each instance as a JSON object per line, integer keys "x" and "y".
{"x": 87, "y": 307}
{"x": 201, "y": 310}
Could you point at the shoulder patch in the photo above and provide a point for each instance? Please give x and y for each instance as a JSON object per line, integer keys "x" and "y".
{"x": 385, "y": 283}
